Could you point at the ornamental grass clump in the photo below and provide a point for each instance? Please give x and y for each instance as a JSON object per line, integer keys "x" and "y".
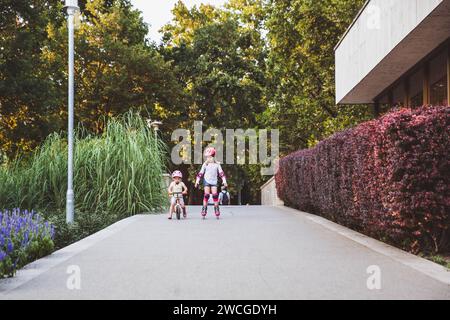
{"x": 24, "y": 237}
{"x": 118, "y": 172}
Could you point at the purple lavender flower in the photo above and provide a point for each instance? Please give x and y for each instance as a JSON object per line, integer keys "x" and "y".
{"x": 9, "y": 247}
{"x": 2, "y": 255}
{"x": 17, "y": 230}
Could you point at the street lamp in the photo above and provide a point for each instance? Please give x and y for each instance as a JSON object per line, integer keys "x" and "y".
{"x": 72, "y": 9}
{"x": 155, "y": 125}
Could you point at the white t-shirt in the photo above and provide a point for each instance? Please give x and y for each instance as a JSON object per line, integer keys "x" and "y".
{"x": 210, "y": 172}
{"x": 176, "y": 187}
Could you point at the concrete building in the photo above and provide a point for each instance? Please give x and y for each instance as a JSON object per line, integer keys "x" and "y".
{"x": 396, "y": 53}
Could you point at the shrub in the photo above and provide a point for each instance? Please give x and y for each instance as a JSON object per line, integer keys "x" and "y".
{"x": 84, "y": 225}
{"x": 388, "y": 178}
{"x": 24, "y": 237}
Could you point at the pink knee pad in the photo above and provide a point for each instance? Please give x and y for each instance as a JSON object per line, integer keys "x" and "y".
{"x": 206, "y": 197}
{"x": 216, "y": 197}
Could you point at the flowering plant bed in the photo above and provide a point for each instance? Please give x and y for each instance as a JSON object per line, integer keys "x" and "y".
{"x": 24, "y": 237}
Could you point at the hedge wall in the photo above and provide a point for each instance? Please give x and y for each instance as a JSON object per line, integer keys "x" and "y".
{"x": 388, "y": 178}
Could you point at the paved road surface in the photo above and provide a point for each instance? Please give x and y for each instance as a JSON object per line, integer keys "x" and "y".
{"x": 251, "y": 253}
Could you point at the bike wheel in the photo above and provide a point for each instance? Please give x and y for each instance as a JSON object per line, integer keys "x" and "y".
{"x": 178, "y": 212}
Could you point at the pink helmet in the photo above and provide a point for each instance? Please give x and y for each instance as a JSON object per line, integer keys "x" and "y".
{"x": 177, "y": 173}
{"x": 210, "y": 152}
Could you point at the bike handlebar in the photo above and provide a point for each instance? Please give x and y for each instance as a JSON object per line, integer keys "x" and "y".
{"x": 176, "y": 193}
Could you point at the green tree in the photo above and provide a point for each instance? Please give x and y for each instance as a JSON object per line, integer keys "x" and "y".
{"x": 117, "y": 69}
{"x": 28, "y": 93}
{"x": 301, "y": 36}
{"x": 219, "y": 58}
{"x": 250, "y": 64}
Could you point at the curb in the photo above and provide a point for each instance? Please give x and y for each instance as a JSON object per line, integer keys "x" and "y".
{"x": 427, "y": 267}
{"x": 38, "y": 267}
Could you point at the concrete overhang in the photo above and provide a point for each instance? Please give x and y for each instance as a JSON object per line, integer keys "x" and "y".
{"x": 385, "y": 41}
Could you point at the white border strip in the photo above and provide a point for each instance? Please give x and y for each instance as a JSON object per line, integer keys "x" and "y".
{"x": 427, "y": 267}
{"x": 38, "y": 267}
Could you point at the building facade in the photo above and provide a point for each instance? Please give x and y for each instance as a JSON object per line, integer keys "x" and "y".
{"x": 396, "y": 53}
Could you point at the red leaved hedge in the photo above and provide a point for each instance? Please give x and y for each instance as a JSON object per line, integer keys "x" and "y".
{"x": 388, "y": 178}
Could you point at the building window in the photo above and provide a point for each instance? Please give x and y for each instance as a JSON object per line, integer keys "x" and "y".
{"x": 398, "y": 95}
{"x": 438, "y": 79}
{"x": 439, "y": 92}
{"x": 384, "y": 105}
{"x": 417, "y": 100}
{"x": 416, "y": 88}
{"x": 426, "y": 83}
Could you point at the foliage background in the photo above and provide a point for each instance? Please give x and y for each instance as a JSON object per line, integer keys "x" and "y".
{"x": 250, "y": 64}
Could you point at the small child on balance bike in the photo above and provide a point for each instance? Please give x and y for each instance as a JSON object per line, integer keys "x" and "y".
{"x": 176, "y": 191}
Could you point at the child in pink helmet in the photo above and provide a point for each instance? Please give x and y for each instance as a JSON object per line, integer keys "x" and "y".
{"x": 176, "y": 191}
{"x": 209, "y": 174}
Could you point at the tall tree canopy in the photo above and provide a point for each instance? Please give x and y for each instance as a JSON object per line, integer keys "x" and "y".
{"x": 248, "y": 64}
{"x": 220, "y": 63}
{"x": 219, "y": 56}
{"x": 116, "y": 69}
{"x": 28, "y": 93}
{"x": 301, "y": 38}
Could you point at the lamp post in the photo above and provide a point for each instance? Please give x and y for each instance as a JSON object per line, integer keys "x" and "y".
{"x": 155, "y": 125}
{"x": 72, "y": 9}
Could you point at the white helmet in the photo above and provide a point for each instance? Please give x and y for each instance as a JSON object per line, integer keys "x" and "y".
{"x": 177, "y": 173}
